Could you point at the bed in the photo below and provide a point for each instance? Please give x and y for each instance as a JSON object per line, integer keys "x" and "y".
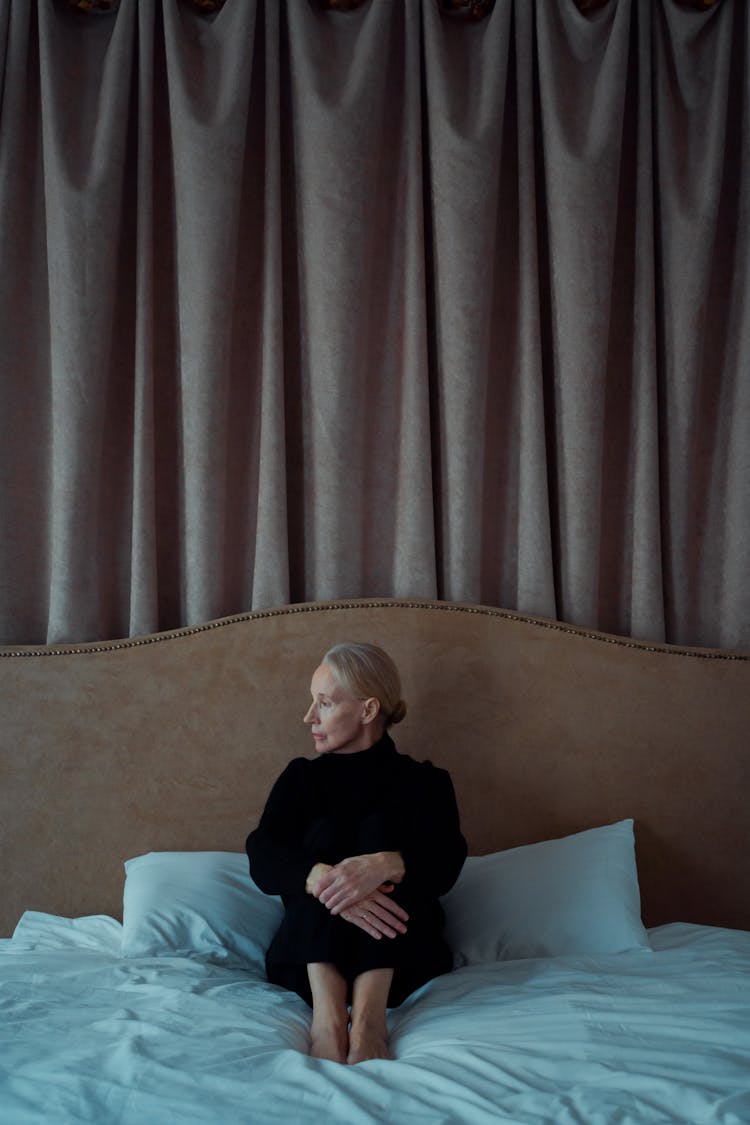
{"x": 600, "y": 928}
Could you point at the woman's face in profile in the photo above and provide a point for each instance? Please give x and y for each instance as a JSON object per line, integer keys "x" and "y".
{"x": 337, "y": 718}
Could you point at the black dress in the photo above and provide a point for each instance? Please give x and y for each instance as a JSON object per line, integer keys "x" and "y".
{"x": 338, "y": 805}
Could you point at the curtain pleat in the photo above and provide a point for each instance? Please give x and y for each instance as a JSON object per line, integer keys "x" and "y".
{"x": 701, "y": 199}
{"x": 302, "y": 304}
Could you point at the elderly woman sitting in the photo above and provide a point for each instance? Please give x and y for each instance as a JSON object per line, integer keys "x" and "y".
{"x": 360, "y": 842}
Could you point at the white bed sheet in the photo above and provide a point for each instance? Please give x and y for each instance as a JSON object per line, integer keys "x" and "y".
{"x": 626, "y": 1039}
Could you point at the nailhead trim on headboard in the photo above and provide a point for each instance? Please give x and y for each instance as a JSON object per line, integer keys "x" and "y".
{"x": 316, "y": 607}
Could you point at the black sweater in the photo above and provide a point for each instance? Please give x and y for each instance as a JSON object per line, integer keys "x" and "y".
{"x": 406, "y": 806}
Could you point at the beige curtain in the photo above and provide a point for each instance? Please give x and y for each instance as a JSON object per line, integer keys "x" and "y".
{"x": 302, "y": 305}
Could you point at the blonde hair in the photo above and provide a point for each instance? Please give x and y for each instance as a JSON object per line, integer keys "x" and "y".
{"x": 367, "y": 672}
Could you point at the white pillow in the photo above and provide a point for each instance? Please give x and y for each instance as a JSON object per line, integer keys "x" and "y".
{"x": 197, "y": 904}
{"x": 578, "y": 894}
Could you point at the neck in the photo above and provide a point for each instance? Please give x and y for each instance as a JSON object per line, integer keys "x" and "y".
{"x": 369, "y": 738}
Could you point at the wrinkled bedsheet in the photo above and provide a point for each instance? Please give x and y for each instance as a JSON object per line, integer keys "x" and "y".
{"x": 643, "y": 1037}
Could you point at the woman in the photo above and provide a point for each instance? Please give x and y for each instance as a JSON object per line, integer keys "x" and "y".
{"x": 360, "y": 842}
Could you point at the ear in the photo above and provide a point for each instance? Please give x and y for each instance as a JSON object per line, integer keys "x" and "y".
{"x": 371, "y": 710}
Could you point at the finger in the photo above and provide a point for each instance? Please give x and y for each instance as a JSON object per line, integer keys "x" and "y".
{"x": 384, "y": 921}
{"x": 358, "y": 918}
{"x": 377, "y": 925}
{"x": 345, "y": 904}
{"x": 368, "y": 921}
{"x": 347, "y": 896}
{"x": 342, "y": 899}
{"x": 331, "y": 896}
{"x": 356, "y": 872}
{"x": 324, "y": 883}
{"x": 390, "y": 905}
{"x": 385, "y": 929}
{"x": 343, "y": 888}
{"x": 328, "y": 887}
{"x": 388, "y": 918}
{"x": 348, "y": 888}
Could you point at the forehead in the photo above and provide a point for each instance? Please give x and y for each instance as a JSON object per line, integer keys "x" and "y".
{"x": 325, "y": 683}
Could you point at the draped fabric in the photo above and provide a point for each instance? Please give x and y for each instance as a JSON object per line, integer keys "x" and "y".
{"x": 301, "y": 305}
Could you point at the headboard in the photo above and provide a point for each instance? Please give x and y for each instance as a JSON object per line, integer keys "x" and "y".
{"x": 172, "y": 741}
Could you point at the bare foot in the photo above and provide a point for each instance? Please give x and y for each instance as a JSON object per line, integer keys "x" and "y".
{"x": 330, "y": 1022}
{"x": 329, "y": 1041}
{"x": 367, "y": 1041}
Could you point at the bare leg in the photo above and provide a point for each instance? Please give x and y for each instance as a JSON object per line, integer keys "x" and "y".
{"x": 368, "y": 1037}
{"x": 330, "y": 1021}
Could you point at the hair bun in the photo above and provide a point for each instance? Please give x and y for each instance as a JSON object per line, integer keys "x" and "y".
{"x": 399, "y": 712}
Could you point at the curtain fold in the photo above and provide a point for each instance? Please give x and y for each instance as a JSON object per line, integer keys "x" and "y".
{"x": 302, "y": 305}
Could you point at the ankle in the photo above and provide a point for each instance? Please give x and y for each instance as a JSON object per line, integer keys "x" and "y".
{"x": 335, "y": 1017}
{"x": 367, "y": 1019}
{"x": 329, "y": 1041}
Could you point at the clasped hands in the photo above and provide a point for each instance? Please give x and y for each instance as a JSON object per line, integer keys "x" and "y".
{"x": 357, "y": 889}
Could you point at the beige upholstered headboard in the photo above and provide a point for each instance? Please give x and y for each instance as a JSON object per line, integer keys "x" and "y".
{"x": 171, "y": 742}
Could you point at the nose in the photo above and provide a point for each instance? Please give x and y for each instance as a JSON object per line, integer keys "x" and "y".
{"x": 309, "y": 716}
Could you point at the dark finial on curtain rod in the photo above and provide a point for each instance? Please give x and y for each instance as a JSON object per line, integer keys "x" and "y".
{"x": 466, "y": 9}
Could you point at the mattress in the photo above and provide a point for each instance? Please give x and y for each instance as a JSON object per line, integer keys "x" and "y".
{"x": 653, "y": 1035}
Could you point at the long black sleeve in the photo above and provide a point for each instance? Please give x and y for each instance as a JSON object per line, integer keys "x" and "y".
{"x": 433, "y": 847}
{"x": 279, "y": 864}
